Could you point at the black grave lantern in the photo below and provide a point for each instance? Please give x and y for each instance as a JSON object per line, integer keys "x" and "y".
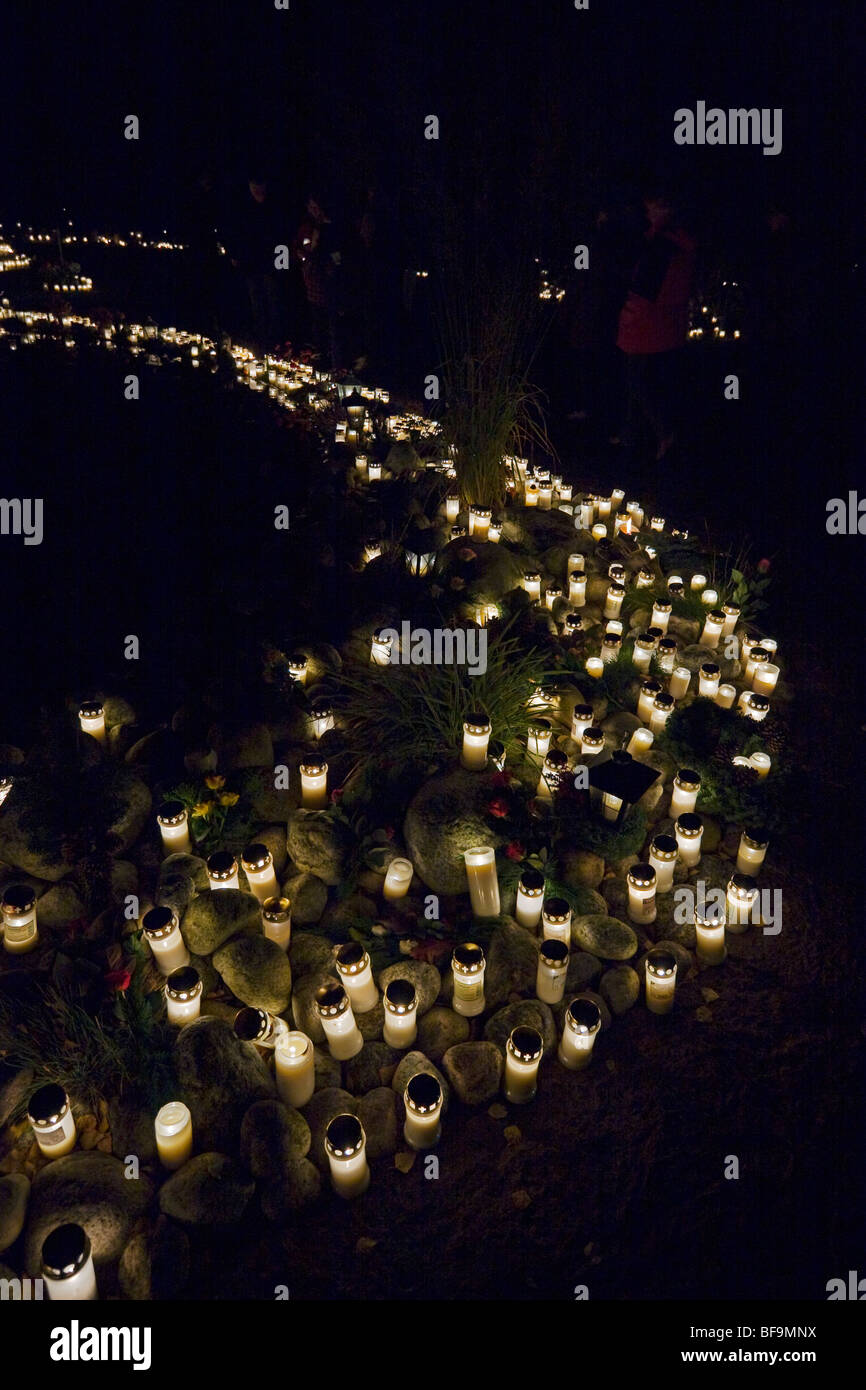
{"x": 617, "y": 783}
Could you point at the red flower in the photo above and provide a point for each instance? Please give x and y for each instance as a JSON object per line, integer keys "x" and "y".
{"x": 498, "y": 807}
{"x": 389, "y": 831}
{"x": 335, "y": 795}
{"x": 501, "y": 779}
{"x": 119, "y": 979}
{"x": 514, "y": 850}
{"x": 763, "y": 566}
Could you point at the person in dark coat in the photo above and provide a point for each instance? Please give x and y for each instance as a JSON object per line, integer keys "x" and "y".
{"x": 317, "y": 248}
{"x": 258, "y": 230}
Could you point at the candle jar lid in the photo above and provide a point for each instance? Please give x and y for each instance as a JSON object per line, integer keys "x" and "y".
{"x": 468, "y": 958}
{"x": 644, "y": 641}
{"x": 730, "y": 610}
{"x": 476, "y": 723}
{"x": 554, "y": 590}
{"x": 276, "y": 909}
{"x": 759, "y": 654}
{"x": 553, "y": 952}
{"x": 689, "y": 824}
{"x": 384, "y": 635}
{"x": 352, "y": 958}
{"x": 688, "y": 780}
{"x": 642, "y": 875}
{"x": 759, "y": 702}
{"x": 710, "y": 670}
{"x": 657, "y": 633}
{"x": 183, "y": 984}
{"x": 332, "y": 1000}
{"x": 593, "y": 736}
{"x": 525, "y": 1044}
{"x": 756, "y": 837}
{"x": 171, "y": 813}
{"x": 252, "y": 1024}
{"x": 742, "y": 886}
{"x": 646, "y": 576}
{"x": 539, "y": 726}
{"x": 532, "y": 882}
{"x": 664, "y": 847}
{"x": 573, "y": 622}
{"x": 660, "y": 606}
{"x": 48, "y": 1105}
{"x": 615, "y": 590}
{"x": 717, "y": 615}
{"x": 344, "y": 1136}
{"x": 667, "y": 645}
{"x": 313, "y": 766}
{"x": 577, "y": 577}
{"x": 256, "y": 857}
{"x": 400, "y": 997}
{"x": 532, "y": 576}
{"x": 481, "y": 511}
{"x": 712, "y": 916}
{"x": 616, "y": 571}
{"x": 65, "y": 1251}
{"x": 611, "y": 639}
{"x": 297, "y": 662}
{"x": 582, "y": 712}
{"x": 158, "y": 923}
{"x": 583, "y": 1016}
{"x": 222, "y": 865}
{"x": 650, "y": 686}
{"x": 676, "y": 588}
{"x": 661, "y": 963}
{"x": 664, "y": 701}
{"x": 423, "y": 1093}
{"x": 322, "y": 709}
{"x": 18, "y": 897}
{"x": 91, "y": 709}
{"x": 556, "y": 910}
{"x": 556, "y": 760}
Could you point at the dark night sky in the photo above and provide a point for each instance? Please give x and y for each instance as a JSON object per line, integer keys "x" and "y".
{"x": 551, "y": 107}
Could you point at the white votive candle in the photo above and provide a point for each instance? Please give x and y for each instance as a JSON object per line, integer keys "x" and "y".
{"x": 259, "y": 1026}
{"x": 397, "y": 879}
{"x": 91, "y": 717}
{"x": 338, "y": 1021}
{"x": 532, "y": 583}
{"x": 710, "y": 946}
{"x": 581, "y": 719}
{"x": 761, "y": 762}
{"x": 698, "y": 582}
{"x": 173, "y": 822}
{"x": 689, "y": 830}
{"x": 50, "y": 1114}
{"x": 591, "y": 742}
{"x": 258, "y": 865}
{"x": 594, "y": 667}
{"x": 294, "y": 1068}
{"x": 523, "y": 1052}
{"x": 611, "y": 646}
{"x": 423, "y": 1101}
{"x": 741, "y": 902}
{"x": 356, "y": 976}
{"x": 552, "y": 774}
{"x": 644, "y": 648}
{"x": 714, "y": 624}
{"x": 708, "y": 679}
{"x": 452, "y": 506}
{"x": 380, "y": 646}
{"x": 684, "y": 791}
{"x": 222, "y": 870}
{"x": 298, "y": 667}
{"x": 467, "y": 966}
{"x": 345, "y": 1145}
{"x": 641, "y": 880}
{"x": 173, "y": 1128}
{"x": 666, "y": 651}
{"x": 679, "y": 682}
{"x": 661, "y": 980}
{"x": 663, "y": 858}
{"x": 599, "y": 530}
{"x": 162, "y": 934}
{"x": 476, "y": 737}
{"x": 581, "y": 1024}
{"x": 613, "y": 600}
{"x": 576, "y": 561}
{"x": 726, "y": 695}
{"x": 401, "y": 1014}
{"x": 710, "y": 598}
{"x": 765, "y": 678}
{"x": 277, "y": 921}
{"x": 483, "y": 881}
{"x": 663, "y": 708}
{"x": 183, "y": 990}
{"x": 577, "y": 590}
{"x": 758, "y": 707}
{"x": 661, "y": 615}
{"x": 67, "y": 1265}
{"x": 552, "y": 971}
{"x": 314, "y": 783}
{"x": 758, "y": 657}
{"x": 649, "y": 689}
{"x": 530, "y": 897}
{"x": 479, "y": 522}
{"x": 732, "y": 615}
{"x": 752, "y": 851}
{"x": 556, "y": 920}
{"x": 321, "y": 717}
{"x": 640, "y": 742}
{"x": 20, "y": 928}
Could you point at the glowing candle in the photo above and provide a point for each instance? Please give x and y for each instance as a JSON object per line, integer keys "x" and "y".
{"x": 356, "y": 974}
{"x": 321, "y": 717}
{"x": 661, "y": 980}
{"x": 640, "y": 742}
{"x": 495, "y": 532}
{"x": 708, "y": 679}
{"x": 747, "y": 646}
{"x": 573, "y": 624}
{"x": 770, "y": 645}
{"x": 482, "y": 880}
{"x": 162, "y": 933}
{"x": 183, "y": 990}
{"x": 174, "y": 828}
{"x": 732, "y": 614}
{"x": 530, "y": 496}
{"x": 551, "y": 594}
{"x": 667, "y": 653}
{"x": 661, "y": 614}
{"x": 751, "y": 851}
{"x": 599, "y": 531}
{"x": 613, "y": 600}
{"x": 523, "y": 1052}
{"x": 591, "y": 742}
{"x": 372, "y": 550}
{"x": 635, "y": 512}
{"x": 552, "y": 970}
{"x": 259, "y": 1027}
{"x": 645, "y": 579}
{"x": 20, "y": 929}
{"x": 397, "y": 879}
{"x": 338, "y": 1021}
{"x": 741, "y": 902}
{"x": 423, "y": 1100}
{"x": 258, "y": 865}
{"x": 552, "y": 774}
{"x": 643, "y": 652}
{"x": 564, "y": 490}
{"x": 545, "y": 496}
{"x": 594, "y": 667}
{"x": 532, "y": 584}
{"x": 476, "y": 737}
{"x": 277, "y": 921}
{"x": 298, "y": 667}
{"x": 726, "y": 696}
{"x": 649, "y": 689}
{"x": 576, "y": 562}
{"x": 641, "y": 880}
{"x": 657, "y": 523}
{"x": 761, "y": 762}
{"x": 6, "y": 783}
{"x": 714, "y": 624}
{"x": 345, "y": 1145}
{"x": 67, "y": 1265}
{"x": 661, "y": 712}
{"x": 452, "y": 506}
{"x": 581, "y": 1024}
{"x": 611, "y": 646}
{"x": 173, "y": 1128}
{"x": 581, "y": 719}
{"x": 758, "y": 707}
{"x": 684, "y": 793}
{"x": 380, "y": 647}
{"x": 679, "y": 682}
{"x": 467, "y": 965}
{"x": 530, "y": 896}
{"x": 222, "y": 870}
{"x": 91, "y": 716}
{"x": 765, "y": 678}
{"x": 556, "y": 920}
{"x": 758, "y": 656}
{"x": 401, "y": 1014}
{"x": 698, "y": 582}
{"x": 479, "y": 522}
{"x": 710, "y": 598}
{"x": 374, "y": 470}
{"x": 689, "y": 830}
{"x": 50, "y": 1114}
{"x": 314, "y": 783}
{"x": 604, "y": 508}
{"x": 675, "y": 581}
{"x": 294, "y": 1068}
{"x": 663, "y": 858}
{"x": 538, "y": 738}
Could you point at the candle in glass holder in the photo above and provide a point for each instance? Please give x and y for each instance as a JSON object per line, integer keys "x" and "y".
{"x": 374, "y": 470}
{"x": 684, "y": 792}
{"x": 423, "y": 1101}
{"x": 552, "y": 970}
{"x": 556, "y": 920}
{"x": 495, "y": 531}
{"x": 452, "y": 506}
{"x": 594, "y": 667}
{"x": 173, "y": 824}
{"x": 726, "y": 695}
{"x": 645, "y": 579}
{"x": 67, "y": 1265}
{"x": 640, "y": 742}
{"x": 689, "y": 830}
{"x": 679, "y": 682}
{"x": 18, "y": 910}
{"x": 538, "y": 737}
{"x": 50, "y": 1114}
{"x": 552, "y": 774}
{"x": 532, "y": 583}
{"x": 6, "y": 783}
{"x": 397, "y": 879}
{"x": 581, "y": 1023}
{"x": 162, "y": 934}
{"x": 667, "y": 654}
{"x": 401, "y": 1014}
{"x": 591, "y": 742}
{"x": 657, "y": 523}
{"x": 641, "y": 880}
{"x": 581, "y": 718}
{"x": 604, "y": 508}
{"x": 747, "y": 645}
{"x": 467, "y": 965}
{"x": 710, "y": 598}
{"x": 338, "y": 1021}
{"x": 732, "y": 614}
{"x": 661, "y": 614}
{"x": 573, "y": 624}
{"x": 530, "y": 495}
{"x": 661, "y": 980}
{"x": 222, "y": 870}
{"x": 662, "y": 709}
{"x": 294, "y": 1068}
{"x": 91, "y": 717}
{"x": 758, "y": 656}
{"x": 613, "y": 600}
{"x": 314, "y": 783}
{"x": 173, "y": 1128}
{"x": 714, "y": 624}
{"x": 277, "y": 921}
{"x": 380, "y": 646}
{"x": 345, "y": 1145}
{"x": 757, "y": 707}
{"x": 551, "y": 594}
{"x": 258, "y": 865}
{"x": 576, "y": 561}
{"x": 259, "y": 1026}
{"x": 765, "y": 678}
{"x": 476, "y": 737}
{"x": 663, "y": 858}
{"x": 523, "y": 1052}
{"x": 644, "y": 648}
{"x": 599, "y": 530}
{"x": 752, "y": 851}
{"x": 356, "y": 975}
{"x": 479, "y": 522}
{"x": 577, "y": 590}
{"x": 298, "y": 667}
{"x": 708, "y": 679}
{"x": 530, "y": 896}
{"x": 761, "y": 762}
{"x": 741, "y": 901}
{"x": 649, "y": 689}
{"x": 611, "y": 646}
{"x": 698, "y": 582}
{"x": 183, "y": 990}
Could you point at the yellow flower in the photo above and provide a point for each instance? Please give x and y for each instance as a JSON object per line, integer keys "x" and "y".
{"x": 230, "y": 798}
{"x": 203, "y": 809}
{"x": 215, "y": 782}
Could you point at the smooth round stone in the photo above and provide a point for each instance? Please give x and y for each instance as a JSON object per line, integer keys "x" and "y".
{"x": 605, "y": 937}
{"x": 440, "y": 1029}
{"x": 421, "y": 974}
{"x": 474, "y": 1070}
{"x": 620, "y": 987}
{"x": 531, "y": 1013}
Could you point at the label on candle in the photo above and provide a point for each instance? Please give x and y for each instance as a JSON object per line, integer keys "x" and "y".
{"x": 469, "y": 992}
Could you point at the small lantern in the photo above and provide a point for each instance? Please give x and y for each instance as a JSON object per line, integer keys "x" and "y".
{"x": 649, "y": 689}
{"x": 681, "y": 679}
{"x": 732, "y": 616}
{"x": 710, "y": 947}
{"x": 398, "y": 877}
{"x": 713, "y": 627}
{"x": 573, "y": 624}
{"x": 577, "y": 590}
{"x": 538, "y": 740}
{"x": 661, "y": 614}
{"x": 614, "y": 600}
{"x": 644, "y": 647}
{"x": 618, "y": 783}
{"x": 173, "y": 824}
{"x": 173, "y": 1129}
{"x": 611, "y": 646}
{"x": 661, "y": 712}
{"x": 50, "y": 1114}
{"x": 591, "y": 742}
{"x": 294, "y": 1068}
{"x": 641, "y": 880}
{"x": 452, "y": 506}
{"x": 742, "y": 899}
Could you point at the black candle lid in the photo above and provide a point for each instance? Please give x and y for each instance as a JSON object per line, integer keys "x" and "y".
{"x": 65, "y": 1251}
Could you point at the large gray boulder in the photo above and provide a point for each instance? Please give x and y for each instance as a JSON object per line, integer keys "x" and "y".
{"x": 447, "y": 815}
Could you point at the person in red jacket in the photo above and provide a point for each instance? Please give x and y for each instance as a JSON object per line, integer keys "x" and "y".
{"x": 653, "y": 325}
